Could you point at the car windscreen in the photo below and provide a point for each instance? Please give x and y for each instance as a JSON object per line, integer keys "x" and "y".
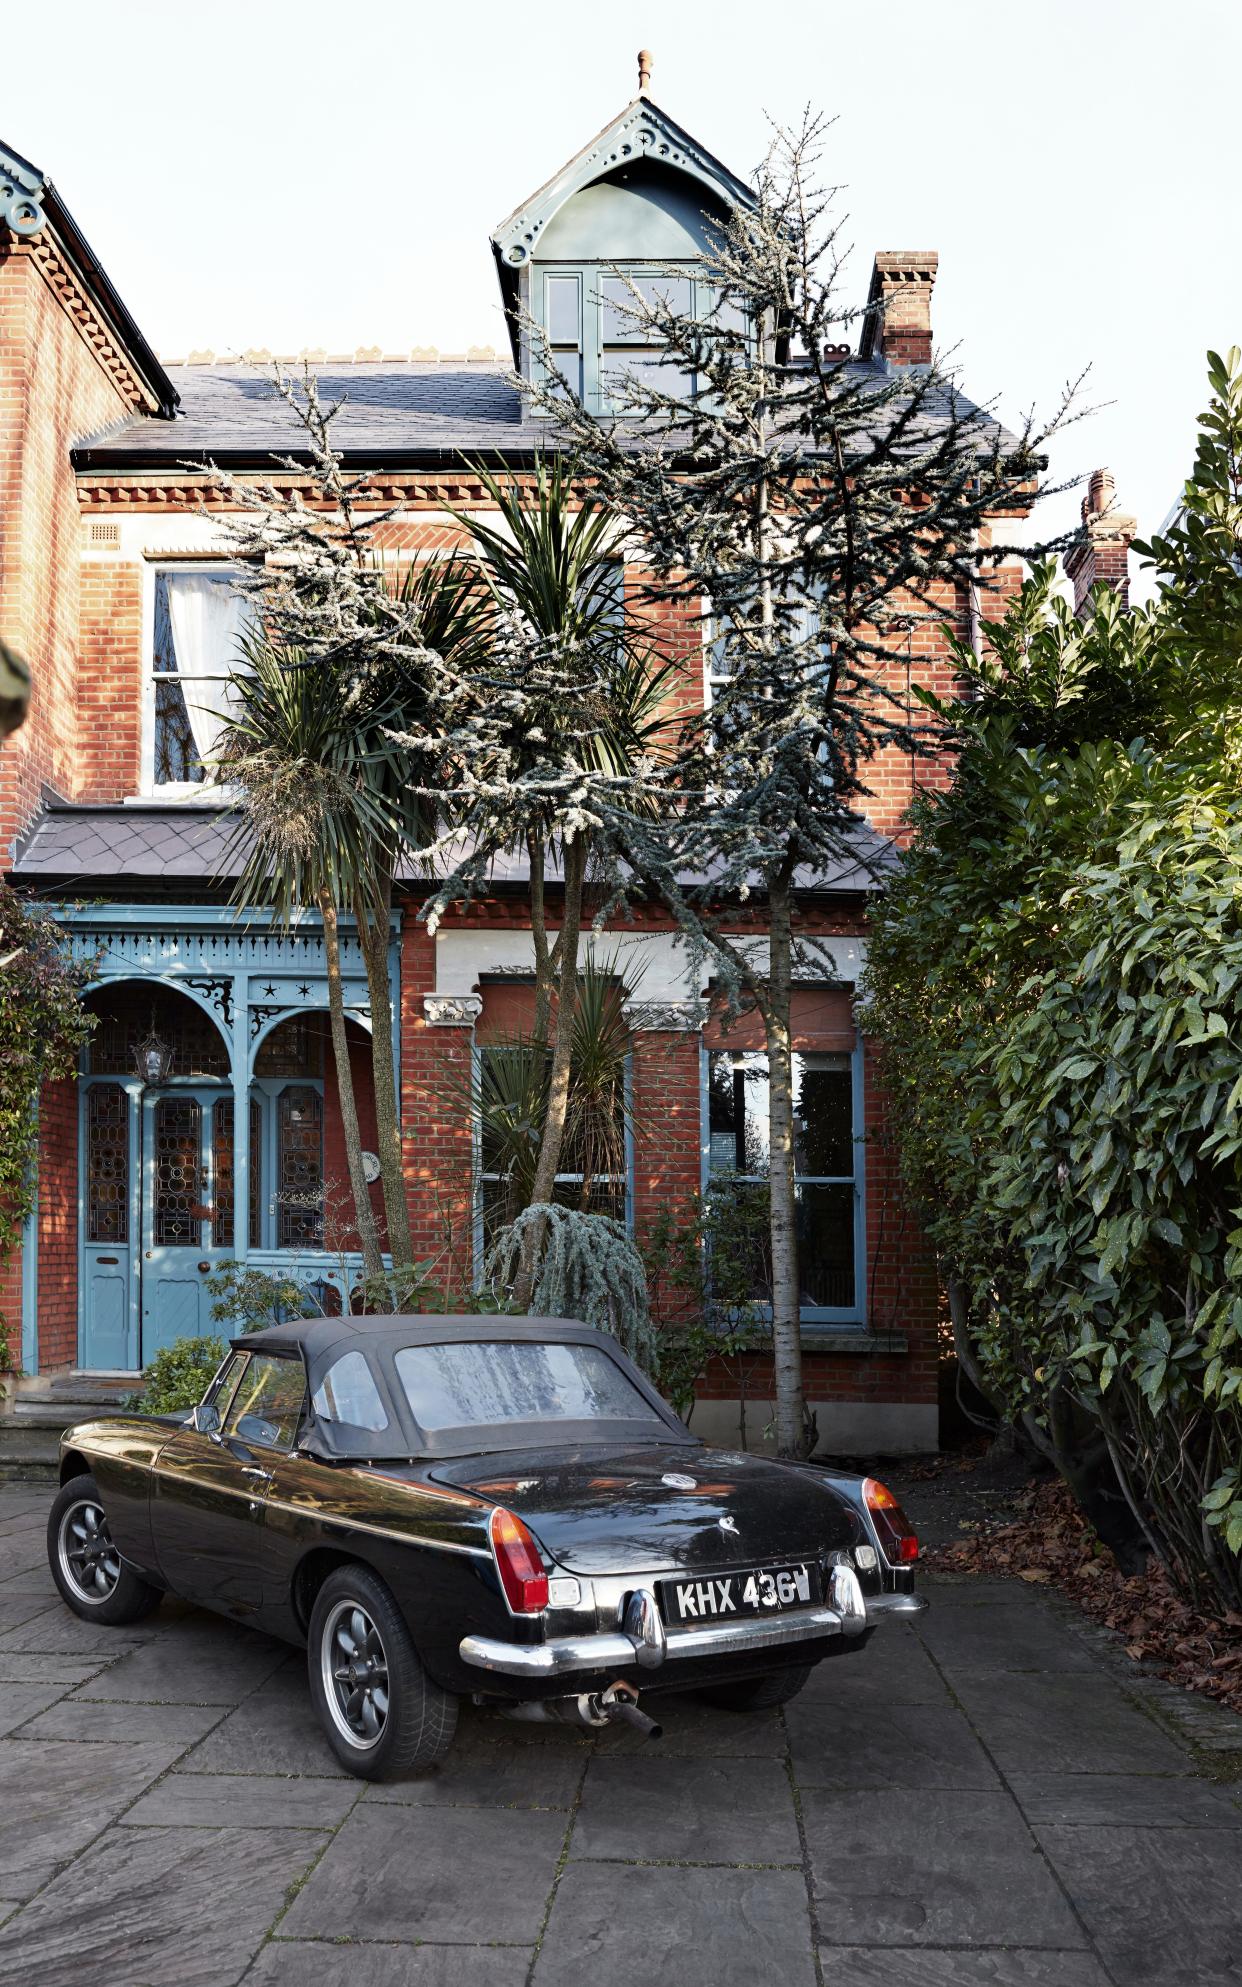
{"x": 489, "y": 1382}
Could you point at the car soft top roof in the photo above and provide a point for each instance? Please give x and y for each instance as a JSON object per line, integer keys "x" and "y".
{"x": 313, "y": 1338}
{"x": 318, "y": 1342}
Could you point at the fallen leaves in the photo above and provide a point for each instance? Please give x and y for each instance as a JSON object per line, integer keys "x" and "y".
{"x": 1052, "y": 1543}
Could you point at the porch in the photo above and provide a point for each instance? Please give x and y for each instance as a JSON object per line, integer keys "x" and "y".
{"x": 204, "y": 1129}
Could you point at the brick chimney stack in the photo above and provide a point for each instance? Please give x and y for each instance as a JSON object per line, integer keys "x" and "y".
{"x": 1100, "y": 554}
{"x": 897, "y": 326}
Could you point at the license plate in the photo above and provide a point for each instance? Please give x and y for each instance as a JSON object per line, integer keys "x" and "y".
{"x": 736, "y": 1596}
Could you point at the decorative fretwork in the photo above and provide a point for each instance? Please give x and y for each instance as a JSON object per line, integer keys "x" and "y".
{"x": 224, "y": 1177}
{"x": 299, "y": 1168}
{"x": 219, "y": 993}
{"x": 107, "y": 1164}
{"x": 177, "y": 1216}
{"x": 125, "y": 1017}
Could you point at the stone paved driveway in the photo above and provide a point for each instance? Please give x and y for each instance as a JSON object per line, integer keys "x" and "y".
{"x": 978, "y": 1800}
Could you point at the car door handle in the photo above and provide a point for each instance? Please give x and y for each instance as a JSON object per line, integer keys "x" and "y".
{"x": 265, "y": 1474}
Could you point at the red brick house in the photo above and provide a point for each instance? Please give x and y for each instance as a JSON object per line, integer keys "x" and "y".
{"x": 114, "y": 586}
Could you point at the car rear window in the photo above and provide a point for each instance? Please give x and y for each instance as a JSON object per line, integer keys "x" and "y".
{"x": 485, "y": 1382}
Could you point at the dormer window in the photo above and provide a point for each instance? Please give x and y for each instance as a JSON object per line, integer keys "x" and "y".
{"x": 596, "y": 340}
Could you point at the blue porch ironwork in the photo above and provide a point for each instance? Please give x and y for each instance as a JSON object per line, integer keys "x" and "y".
{"x": 248, "y": 976}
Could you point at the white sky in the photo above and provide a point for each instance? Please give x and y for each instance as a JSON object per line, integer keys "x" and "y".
{"x": 284, "y": 175}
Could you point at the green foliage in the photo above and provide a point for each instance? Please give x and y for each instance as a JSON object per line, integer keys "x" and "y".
{"x": 703, "y": 1265}
{"x": 179, "y": 1376}
{"x": 587, "y": 1267}
{"x": 43, "y": 1025}
{"x": 249, "y": 1300}
{"x": 1056, "y": 977}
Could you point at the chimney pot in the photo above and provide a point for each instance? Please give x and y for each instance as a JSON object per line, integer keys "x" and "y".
{"x": 1100, "y": 552}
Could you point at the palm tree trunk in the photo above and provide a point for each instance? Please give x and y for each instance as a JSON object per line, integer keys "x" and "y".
{"x": 373, "y": 1262}
{"x": 782, "y": 1204}
{"x": 373, "y": 932}
{"x": 562, "y": 1049}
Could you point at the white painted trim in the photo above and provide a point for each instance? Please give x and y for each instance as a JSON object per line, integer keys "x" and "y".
{"x": 464, "y": 957}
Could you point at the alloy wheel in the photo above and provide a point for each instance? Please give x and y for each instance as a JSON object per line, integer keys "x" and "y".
{"x": 89, "y": 1560}
{"x": 354, "y": 1666}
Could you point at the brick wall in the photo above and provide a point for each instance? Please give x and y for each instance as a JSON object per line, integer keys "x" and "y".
{"x": 54, "y": 390}
{"x": 58, "y": 1226}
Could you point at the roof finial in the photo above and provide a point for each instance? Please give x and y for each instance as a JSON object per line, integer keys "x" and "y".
{"x": 645, "y": 60}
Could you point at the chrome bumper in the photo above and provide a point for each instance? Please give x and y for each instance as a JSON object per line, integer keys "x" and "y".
{"x": 643, "y": 1640}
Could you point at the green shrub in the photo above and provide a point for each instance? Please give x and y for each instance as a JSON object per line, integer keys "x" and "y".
{"x": 178, "y": 1376}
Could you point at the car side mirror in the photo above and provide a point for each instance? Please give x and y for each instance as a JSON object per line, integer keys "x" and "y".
{"x": 205, "y": 1418}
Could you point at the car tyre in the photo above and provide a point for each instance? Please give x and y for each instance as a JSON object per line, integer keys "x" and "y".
{"x": 757, "y": 1693}
{"x": 382, "y": 1715}
{"x": 90, "y": 1575}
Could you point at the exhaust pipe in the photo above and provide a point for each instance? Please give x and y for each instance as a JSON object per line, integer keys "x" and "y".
{"x": 618, "y": 1705}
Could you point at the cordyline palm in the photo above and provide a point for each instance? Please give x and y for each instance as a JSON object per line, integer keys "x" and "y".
{"x": 576, "y": 718}
{"x": 334, "y": 805}
{"x": 311, "y": 819}
{"x": 510, "y": 1095}
{"x": 442, "y": 608}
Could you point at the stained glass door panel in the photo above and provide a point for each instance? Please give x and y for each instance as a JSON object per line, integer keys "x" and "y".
{"x": 109, "y": 1310}
{"x": 178, "y": 1217}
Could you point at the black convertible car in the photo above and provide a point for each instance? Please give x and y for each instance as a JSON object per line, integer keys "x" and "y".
{"x": 449, "y": 1506}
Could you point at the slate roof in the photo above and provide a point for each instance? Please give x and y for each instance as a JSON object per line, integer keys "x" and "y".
{"x": 395, "y": 414}
{"x": 185, "y": 843}
{"x": 155, "y": 843}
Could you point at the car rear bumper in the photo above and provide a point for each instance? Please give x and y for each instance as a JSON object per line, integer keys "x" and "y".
{"x": 643, "y": 1641}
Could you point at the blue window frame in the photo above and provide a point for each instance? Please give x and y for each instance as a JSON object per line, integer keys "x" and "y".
{"x": 612, "y": 1193}
{"x": 830, "y": 1184}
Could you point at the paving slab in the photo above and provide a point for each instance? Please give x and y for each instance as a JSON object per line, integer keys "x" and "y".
{"x": 893, "y": 1665}
{"x": 56, "y": 1795}
{"x": 171, "y": 1907}
{"x": 885, "y": 1745}
{"x": 54, "y": 1631}
{"x": 21, "y": 1701}
{"x": 68, "y": 1671}
{"x": 653, "y": 1809}
{"x": 15, "y": 1609}
{"x": 243, "y": 1800}
{"x": 847, "y": 1967}
{"x": 274, "y": 1731}
{"x": 1161, "y": 1905}
{"x": 451, "y": 1875}
{"x": 613, "y": 1924}
{"x": 1071, "y": 1724}
{"x": 295, "y": 1962}
{"x": 1009, "y": 1635}
{"x": 95, "y": 1719}
{"x": 194, "y": 1659}
{"x": 930, "y": 1868}
{"x": 1126, "y": 1800}
{"x": 700, "y": 1731}
{"x": 514, "y": 1776}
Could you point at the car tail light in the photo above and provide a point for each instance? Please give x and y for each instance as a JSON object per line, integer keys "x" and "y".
{"x": 522, "y": 1572}
{"x": 893, "y": 1528}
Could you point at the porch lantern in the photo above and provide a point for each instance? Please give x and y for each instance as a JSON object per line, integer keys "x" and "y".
{"x": 153, "y": 1057}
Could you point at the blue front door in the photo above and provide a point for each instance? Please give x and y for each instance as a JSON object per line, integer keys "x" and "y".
{"x": 180, "y": 1157}
{"x": 110, "y": 1226}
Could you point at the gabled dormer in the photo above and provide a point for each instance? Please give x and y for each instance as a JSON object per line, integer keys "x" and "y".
{"x": 644, "y": 197}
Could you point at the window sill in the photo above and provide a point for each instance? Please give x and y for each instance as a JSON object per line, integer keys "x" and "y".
{"x": 851, "y": 1338}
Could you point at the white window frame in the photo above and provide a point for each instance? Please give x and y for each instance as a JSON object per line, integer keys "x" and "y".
{"x": 149, "y": 788}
